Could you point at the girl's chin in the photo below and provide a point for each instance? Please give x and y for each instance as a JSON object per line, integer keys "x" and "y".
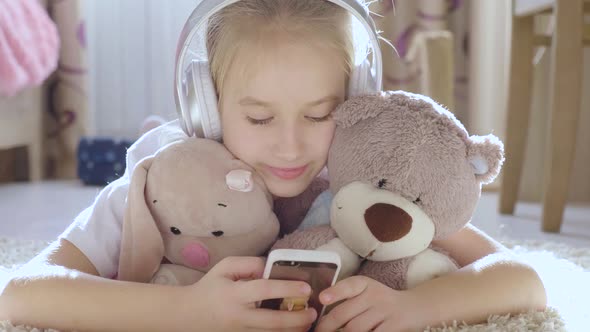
{"x": 285, "y": 189}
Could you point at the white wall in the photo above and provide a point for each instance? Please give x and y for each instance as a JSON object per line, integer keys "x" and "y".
{"x": 489, "y": 47}
{"x": 132, "y": 45}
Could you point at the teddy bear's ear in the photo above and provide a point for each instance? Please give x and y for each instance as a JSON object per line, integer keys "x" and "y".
{"x": 142, "y": 246}
{"x": 486, "y": 155}
{"x": 359, "y": 108}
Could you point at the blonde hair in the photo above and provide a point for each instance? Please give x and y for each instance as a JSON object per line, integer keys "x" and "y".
{"x": 246, "y": 21}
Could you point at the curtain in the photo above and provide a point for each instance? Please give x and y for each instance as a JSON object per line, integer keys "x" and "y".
{"x": 67, "y": 115}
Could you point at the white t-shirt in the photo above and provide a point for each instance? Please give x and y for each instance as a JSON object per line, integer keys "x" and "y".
{"x": 96, "y": 231}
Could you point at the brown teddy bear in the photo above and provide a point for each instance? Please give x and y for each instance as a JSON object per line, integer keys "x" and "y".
{"x": 189, "y": 206}
{"x": 403, "y": 172}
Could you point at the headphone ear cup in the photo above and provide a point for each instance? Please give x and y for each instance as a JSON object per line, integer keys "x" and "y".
{"x": 206, "y": 102}
{"x": 360, "y": 81}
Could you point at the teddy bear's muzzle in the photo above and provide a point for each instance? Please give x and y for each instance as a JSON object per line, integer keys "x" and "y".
{"x": 388, "y": 222}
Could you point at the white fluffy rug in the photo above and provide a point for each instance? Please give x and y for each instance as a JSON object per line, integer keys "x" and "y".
{"x": 565, "y": 272}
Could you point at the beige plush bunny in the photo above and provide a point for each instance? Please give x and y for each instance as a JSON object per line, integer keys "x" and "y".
{"x": 189, "y": 206}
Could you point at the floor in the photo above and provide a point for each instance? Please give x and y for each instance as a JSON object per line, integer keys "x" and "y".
{"x": 42, "y": 211}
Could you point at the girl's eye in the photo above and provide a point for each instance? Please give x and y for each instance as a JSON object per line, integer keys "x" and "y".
{"x": 319, "y": 119}
{"x": 259, "y": 121}
{"x": 175, "y": 231}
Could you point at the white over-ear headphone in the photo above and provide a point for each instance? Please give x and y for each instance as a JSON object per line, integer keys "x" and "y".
{"x": 194, "y": 91}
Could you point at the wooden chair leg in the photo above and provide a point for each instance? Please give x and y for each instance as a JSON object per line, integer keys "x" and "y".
{"x": 518, "y": 109}
{"x": 35, "y": 157}
{"x": 7, "y": 165}
{"x": 35, "y": 146}
{"x": 565, "y": 101}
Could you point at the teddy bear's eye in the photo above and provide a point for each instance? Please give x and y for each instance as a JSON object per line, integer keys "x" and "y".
{"x": 175, "y": 231}
{"x": 382, "y": 183}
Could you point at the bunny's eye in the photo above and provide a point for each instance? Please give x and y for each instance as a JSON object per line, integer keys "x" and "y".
{"x": 175, "y": 231}
{"x": 417, "y": 200}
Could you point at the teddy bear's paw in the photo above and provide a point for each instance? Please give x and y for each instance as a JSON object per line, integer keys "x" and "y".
{"x": 350, "y": 261}
{"x": 427, "y": 265}
{"x": 164, "y": 277}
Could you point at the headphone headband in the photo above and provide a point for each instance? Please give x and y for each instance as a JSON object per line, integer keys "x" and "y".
{"x": 200, "y": 16}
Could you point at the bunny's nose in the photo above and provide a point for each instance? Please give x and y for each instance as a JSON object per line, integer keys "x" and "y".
{"x": 195, "y": 255}
{"x": 217, "y": 233}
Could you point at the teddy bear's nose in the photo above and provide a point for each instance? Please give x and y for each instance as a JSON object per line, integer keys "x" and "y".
{"x": 217, "y": 233}
{"x": 387, "y": 222}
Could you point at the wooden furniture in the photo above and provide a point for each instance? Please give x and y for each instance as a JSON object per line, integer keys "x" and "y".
{"x": 21, "y": 126}
{"x": 433, "y": 50}
{"x": 566, "y": 44}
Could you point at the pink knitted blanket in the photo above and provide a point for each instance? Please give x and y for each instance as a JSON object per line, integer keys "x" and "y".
{"x": 29, "y": 45}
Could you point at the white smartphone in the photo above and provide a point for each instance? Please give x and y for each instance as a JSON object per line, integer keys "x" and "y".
{"x": 318, "y": 268}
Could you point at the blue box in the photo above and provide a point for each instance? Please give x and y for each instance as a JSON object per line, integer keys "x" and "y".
{"x": 101, "y": 160}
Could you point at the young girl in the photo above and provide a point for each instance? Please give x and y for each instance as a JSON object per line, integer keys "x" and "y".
{"x": 280, "y": 68}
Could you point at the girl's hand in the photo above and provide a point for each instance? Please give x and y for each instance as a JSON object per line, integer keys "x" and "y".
{"x": 368, "y": 306}
{"x": 225, "y": 299}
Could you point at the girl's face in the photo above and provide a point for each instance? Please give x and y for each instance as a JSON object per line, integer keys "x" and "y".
{"x": 276, "y": 110}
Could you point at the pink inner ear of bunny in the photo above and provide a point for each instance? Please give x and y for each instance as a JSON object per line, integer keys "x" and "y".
{"x": 486, "y": 156}
{"x": 257, "y": 180}
{"x": 142, "y": 246}
{"x": 239, "y": 180}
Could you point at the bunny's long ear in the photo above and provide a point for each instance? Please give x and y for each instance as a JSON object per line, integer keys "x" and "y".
{"x": 142, "y": 246}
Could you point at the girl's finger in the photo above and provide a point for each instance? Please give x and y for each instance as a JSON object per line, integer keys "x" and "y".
{"x": 274, "y": 319}
{"x": 342, "y": 314}
{"x": 295, "y": 329}
{"x": 266, "y": 289}
{"x": 344, "y": 289}
{"x": 237, "y": 268}
{"x": 367, "y": 321}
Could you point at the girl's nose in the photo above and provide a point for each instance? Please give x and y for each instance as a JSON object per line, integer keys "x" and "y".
{"x": 289, "y": 145}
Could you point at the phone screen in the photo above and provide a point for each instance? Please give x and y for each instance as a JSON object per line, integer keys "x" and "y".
{"x": 318, "y": 275}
